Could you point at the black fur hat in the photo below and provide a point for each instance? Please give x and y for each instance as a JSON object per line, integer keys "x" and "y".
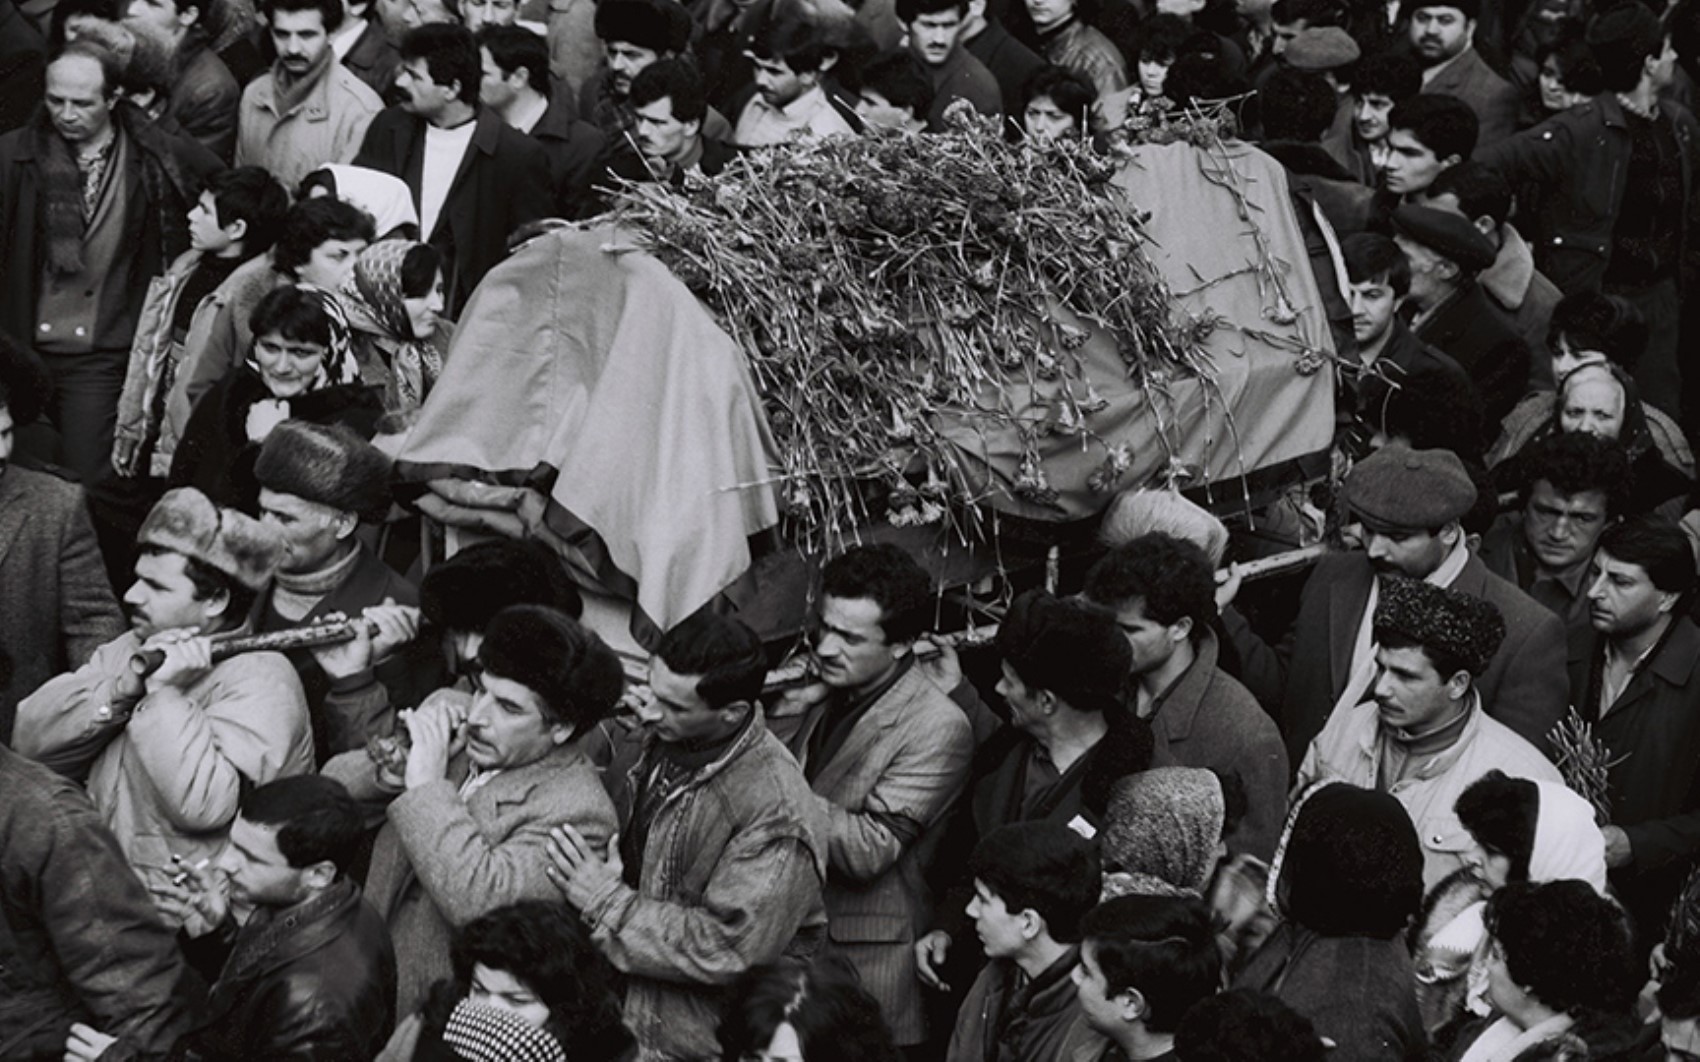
{"x": 575, "y": 673}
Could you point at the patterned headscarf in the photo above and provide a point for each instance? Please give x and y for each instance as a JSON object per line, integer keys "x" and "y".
{"x": 377, "y": 306}
{"x": 1161, "y": 834}
{"x": 485, "y": 1034}
{"x": 338, "y": 366}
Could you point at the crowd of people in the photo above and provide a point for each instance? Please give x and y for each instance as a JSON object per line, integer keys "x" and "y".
{"x": 281, "y": 780}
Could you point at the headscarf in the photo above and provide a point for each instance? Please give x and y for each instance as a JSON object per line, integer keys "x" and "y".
{"x": 485, "y": 1034}
{"x": 376, "y": 305}
{"x": 382, "y": 195}
{"x": 1636, "y": 436}
{"x": 1162, "y": 832}
{"x": 1349, "y": 864}
{"x": 1568, "y": 842}
{"x": 338, "y": 366}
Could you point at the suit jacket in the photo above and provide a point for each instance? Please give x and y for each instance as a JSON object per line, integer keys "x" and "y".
{"x": 58, "y": 607}
{"x": 575, "y": 149}
{"x": 503, "y": 182}
{"x": 443, "y": 859}
{"x": 1524, "y": 687}
{"x": 374, "y": 58}
{"x": 908, "y": 756}
{"x": 1493, "y": 98}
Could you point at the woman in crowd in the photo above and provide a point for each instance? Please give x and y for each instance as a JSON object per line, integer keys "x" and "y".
{"x": 528, "y": 984}
{"x": 384, "y": 196}
{"x": 1346, "y": 880}
{"x": 1518, "y": 831}
{"x": 1560, "y": 977}
{"x": 797, "y": 1011}
{"x": 1056, "y": 103}
{"x": 298, "y": 367}
{"x": 1163, "y": 834}
{"x": 394, "y": 301}
{"x": 1566, "y": 72}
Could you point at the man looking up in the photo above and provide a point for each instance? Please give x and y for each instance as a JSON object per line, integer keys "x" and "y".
{"x": 309, "y": 109}
{"x": 718, "y": 868}
{"x": 1425, "y": 735}
{"x": 515, "y": 63}
{"x": 308, "y": 971}
{"x": 204, "y": 94}
{"x": 886, "y": 752}
{"x": 485, "y": 779}
{"x": 1406, "y": 505}
{"x": 1144, "y": 962}
{"x": 1573, "y": 486}
{"x": 1442, "y": 35}
{"x": 1637, "y": 676}
{"x": 474, "y": 179}
{"x": 936, "y": 29}
{"x": 167, "y": 763}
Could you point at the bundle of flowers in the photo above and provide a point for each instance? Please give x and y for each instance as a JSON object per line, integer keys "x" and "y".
{"x": 882, "y": 284}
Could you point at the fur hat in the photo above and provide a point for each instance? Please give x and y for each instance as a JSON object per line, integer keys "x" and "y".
{"x": 328, "y": 464}
{"x": 575, "y": 673}
{"x": 185, "y": 521}
{"x": 1449, "y": 621}
{"x": 1069, "y": 648}
{"x": 1401, "y": 488}
{"x": 464, "y": 592}
{"x": 659, "y": 25}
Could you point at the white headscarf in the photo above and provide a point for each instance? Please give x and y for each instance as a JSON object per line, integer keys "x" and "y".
{"x": 384, "y": 196}
{"x": 1568, "y": 843}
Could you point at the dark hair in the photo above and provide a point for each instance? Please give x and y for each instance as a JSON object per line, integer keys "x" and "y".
{"x": 1296, "y": 105}
{"x": 1578, "y": 70}
{"x": 1657, "y": 545}
{"x": 1245, "y": 1025}
{"x": 909, "y": 10}
{"x": 65, "y": 10}
{"x": 570, "y": 669}
{"x": 1160, "y": 38}
{"x": 1500, "y": 812}
{"x": 1622, "y": 48}
{"x": 1351, "y": 865}
{"x": 253, "y": 195}
{"x": 419, "y": 267}
{"x": 1372, "y": 256}
{"x": 1574, "y": 462}
{"x": 890, "y": 577}
{"x": 1171, "y": 576}
{"x": 1068, "y": 89}
{"x": 1434, "y": 410}
{"x": 676, "y": 80}
{"x": 464, "y": 592}
{"x": 1591, "y": 320}
{"x": 1043, "y": 867}
{"x": 1393, "y": 74}
{"x": 315, "y": 818}
{"x": 894, "y": 77}
{"x": 1480, "y": 191}
{"x": 1445, "y": 664}
{"x": 450, "y": 54}
{"x": 312, "y": 222}
{"x": 1162, "y": 947}
{"x": 294, "y": 313}
{"x": 330, "y": 10}
{"x": 725, "y": 653}
{"x": 513, "y": 47}
{"x": 547, "y": 948}
{"x": 1198, "y": 77}
{"x": 793, "y": 39}
{"x": 1067, "y": 647}
{"x": 835, "y": 1018}
{"x": 1313, "y": 13}
{"x": 1564, "y": 943}
{"x": 1444, "y": 124}
{"x": 209, "y": 583}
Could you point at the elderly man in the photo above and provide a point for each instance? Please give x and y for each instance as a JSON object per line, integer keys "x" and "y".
{"x": 167, "y": 756}
{"x": 719, "y": 867}
{"x": 476, "y": 784}
{"x": 1408, "y": 504}
{"x": 886, "y": 752}
{"x": 1424, "y": 735}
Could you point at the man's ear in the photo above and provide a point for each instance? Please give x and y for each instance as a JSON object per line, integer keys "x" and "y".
{"x": 560, "y": 733}
{"x": 1458, "y": 685}
{"x": 1133, "y": 1005}
{"x": 237, "y": 230}
{"x": 321, "y": 875}
{"x": 217, "y": 605}
{"x": 1180, "y": 630}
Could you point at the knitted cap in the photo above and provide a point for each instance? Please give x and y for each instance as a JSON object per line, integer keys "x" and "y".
{"x": 328, "y": 464}
{"x": 1448, "y": 621}
{"x": 185, "y": 521}
{"x": 1413, "y": 490}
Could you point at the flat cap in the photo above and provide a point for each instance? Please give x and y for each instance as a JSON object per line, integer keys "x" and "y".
{"x": 1447, "y": 234}
{"x": 1448, "y": 621}
{"x": 186, "y": 521}
{"x": 328, "y": 464}
{"x": 1322, "y": 48}
{"x": 1404, "y": 489}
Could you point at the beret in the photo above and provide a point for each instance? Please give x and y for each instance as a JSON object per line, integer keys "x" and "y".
{"x": 1321, "y": 48}
{"x": 1070, "y": 648}
{"x": 330, "y": 465}
{"x": 1440, "y": 618}
{"x": 659, "y": 25}
{"x": 186, "y": 521}
{"x": 1472, "y": 9}
{"x": 1447, "y": 234}
{"x": 1404, "y": 489}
